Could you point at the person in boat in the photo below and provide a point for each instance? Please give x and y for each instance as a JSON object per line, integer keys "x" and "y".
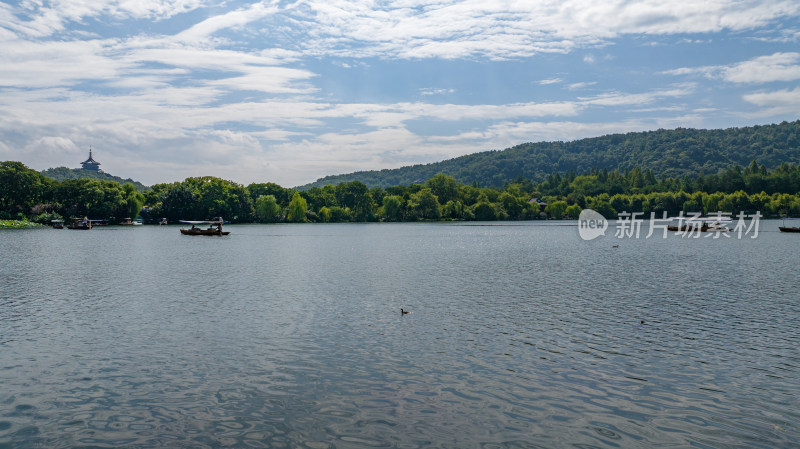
{"x": 219, "y": 228}
{"x": 85, "y": 221}
{"x": 193, "y": 227}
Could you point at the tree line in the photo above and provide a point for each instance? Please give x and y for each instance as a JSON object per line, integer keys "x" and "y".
{"x": 671, "y": 153}
{"x": 27, "y": 194}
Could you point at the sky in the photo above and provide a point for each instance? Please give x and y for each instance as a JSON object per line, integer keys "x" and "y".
{"x": 291, "y": 91}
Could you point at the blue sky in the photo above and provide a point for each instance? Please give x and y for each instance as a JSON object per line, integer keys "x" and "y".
{"x": 290, "y": 91}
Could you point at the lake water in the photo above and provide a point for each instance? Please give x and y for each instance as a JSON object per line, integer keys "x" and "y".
{"x": 290, "y": 336}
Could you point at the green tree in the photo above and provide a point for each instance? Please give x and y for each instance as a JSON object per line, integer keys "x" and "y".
{"x": 586, "y": 185}
{"x": 573, "y": 212}
{"x": 282, "y": 195}
{"x": 513, "y": 206}
{"x": 424, "y": 204}
{"x": 324, "y": 214}
{"x": 556, "y": 209}
{"x": 443, "y": 187}
{"x": 320, "y": 197}
{"x": 178, "y": 202}
{"x": 691, "y": 206}
{"x": 220, "y": 198}
{"x": 296, "y": 212}
{"x": 133, "y": 200}
{"x": 339, "y": 214}
{"x": 484, "y": 211}
{"x": 532, "y": 210}
{"x": 93, "y": 198}
{"x": 454, "y": 210}
{"x": 267, "y": 209}
{"x": 377, "y": 194}
{"x": 356, "y": 197}
{"x": 20, "y": 187}
{"x": 392, "y": 209}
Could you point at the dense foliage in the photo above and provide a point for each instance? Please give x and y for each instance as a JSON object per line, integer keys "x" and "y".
{"x": 64, "y": 174}
{"x": 666, "y": 153}
{"x": 442, "y": 198}
{"x": 199, "y": 199}
{"x": 26, "y": 194}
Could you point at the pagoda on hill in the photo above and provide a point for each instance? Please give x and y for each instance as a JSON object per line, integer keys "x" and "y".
{"x": 91, "y": 164}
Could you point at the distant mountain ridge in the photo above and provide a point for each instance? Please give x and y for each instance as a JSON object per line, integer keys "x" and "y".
{"x": 668, "y": 153}
{"x": 64, "y": 173}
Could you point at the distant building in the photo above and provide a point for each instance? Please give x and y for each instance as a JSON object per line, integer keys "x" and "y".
{"x": 541, "y": 203}
{"x": 91, "y": 164}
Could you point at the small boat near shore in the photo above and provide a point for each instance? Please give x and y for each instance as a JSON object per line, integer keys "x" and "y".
{"x": 57, "y": 224}
{"x": 129, "y": 222}
{"x": 81, "y": 224}
{"x": 785, "y": 228}
{"x": 214, "y": 227}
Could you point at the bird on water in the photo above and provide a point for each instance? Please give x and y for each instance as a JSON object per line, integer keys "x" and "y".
{"x": 403, "y": 312}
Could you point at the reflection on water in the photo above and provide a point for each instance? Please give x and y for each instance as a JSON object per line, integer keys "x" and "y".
{"x": 291, "y": 336}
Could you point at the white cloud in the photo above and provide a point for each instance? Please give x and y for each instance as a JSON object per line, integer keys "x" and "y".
{"x": 501, "y": 30}
{"x": 582, "y": 85}
{"x": 232, "y": 19}
{"x": 776, "y": 67}
{"x": 44, "y": 18}
{"x": 177, "y": 139}
{"x": 239, "y": 93}
{"x": 774, "y": 103}
{"x": 425, "y": 29}
{"x": 763, "y": 69}
{"x": 644, "y": 98}
{"x": 436, "y": 91}
{"x": 551, "y": 81}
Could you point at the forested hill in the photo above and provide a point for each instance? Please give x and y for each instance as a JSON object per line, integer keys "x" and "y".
{"x": 668, "y": 153}
{"x": 64, "y": 173}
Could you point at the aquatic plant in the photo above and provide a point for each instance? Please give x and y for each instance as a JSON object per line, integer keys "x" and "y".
{"x": 18, "y": 224}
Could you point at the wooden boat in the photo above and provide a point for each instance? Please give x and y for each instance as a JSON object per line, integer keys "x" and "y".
{"x": 80, "y": 223}
{"x": 129, "y": 222}
{"x": 785, "y": 228}
{"x": 57, "y": 224}
{"x": 214, "y": 228}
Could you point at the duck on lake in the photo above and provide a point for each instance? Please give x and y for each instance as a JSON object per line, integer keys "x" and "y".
{"x": 403, "y": 311}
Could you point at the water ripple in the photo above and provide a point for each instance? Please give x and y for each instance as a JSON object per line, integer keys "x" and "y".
{"x": 290, "y": 336}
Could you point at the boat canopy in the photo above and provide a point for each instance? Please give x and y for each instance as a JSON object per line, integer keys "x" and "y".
{"x": 203, "y": 222}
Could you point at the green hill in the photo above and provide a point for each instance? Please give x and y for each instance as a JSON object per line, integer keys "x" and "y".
{"x": 64, "y": 173}
{"x": 668, "y": 153}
